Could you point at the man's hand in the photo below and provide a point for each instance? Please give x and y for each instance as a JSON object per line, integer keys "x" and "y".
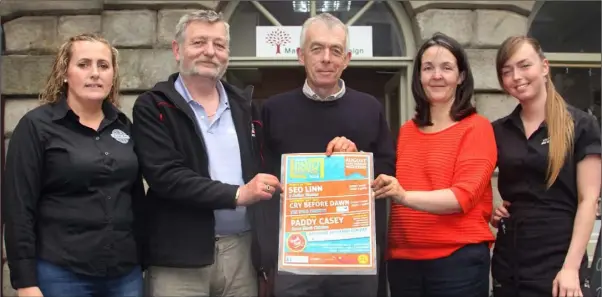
{"x": 340, "y": 144}
{"x": 29, "y": 292}
{"x": 261, "y": 187}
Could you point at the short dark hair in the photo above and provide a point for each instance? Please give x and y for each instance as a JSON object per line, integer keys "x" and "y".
{"x": 462, "y": 106}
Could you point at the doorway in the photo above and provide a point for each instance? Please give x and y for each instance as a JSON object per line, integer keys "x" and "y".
{"x": 385, "y": 84}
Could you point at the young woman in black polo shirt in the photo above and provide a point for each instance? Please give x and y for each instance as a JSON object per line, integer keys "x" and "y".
{"x": 72, "y": 183}
{"x": 549, "y": 179}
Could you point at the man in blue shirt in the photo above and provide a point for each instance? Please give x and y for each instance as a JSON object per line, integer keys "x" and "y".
{"x": 198, "y": 143}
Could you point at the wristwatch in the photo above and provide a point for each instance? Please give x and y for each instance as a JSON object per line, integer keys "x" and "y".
{"x": 237, "y": 194}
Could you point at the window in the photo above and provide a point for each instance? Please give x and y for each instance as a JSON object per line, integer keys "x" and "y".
{"x": 569, "y": 33}
{"x": 387, "y": 37}
{"x": 579, "y": 86}
{"x": 568, "y": 26}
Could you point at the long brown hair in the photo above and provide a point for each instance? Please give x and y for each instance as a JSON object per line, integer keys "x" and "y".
{"x": 559, "y": 121}
{"x": 55, "y": 84}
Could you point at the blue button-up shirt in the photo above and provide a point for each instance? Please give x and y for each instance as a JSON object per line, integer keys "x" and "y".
{"x": 223, "y": 151}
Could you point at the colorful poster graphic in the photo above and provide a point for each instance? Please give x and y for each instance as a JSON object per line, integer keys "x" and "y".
{"x": 327, "y": 214}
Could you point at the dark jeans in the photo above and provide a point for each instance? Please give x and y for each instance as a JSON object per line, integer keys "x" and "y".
{"x": 465, "y": 273}
{"x": 56, "y": 281}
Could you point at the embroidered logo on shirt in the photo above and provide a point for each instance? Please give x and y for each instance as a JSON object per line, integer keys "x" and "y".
{"x": 120, "y": 136}
{"x": 545, "y": 141}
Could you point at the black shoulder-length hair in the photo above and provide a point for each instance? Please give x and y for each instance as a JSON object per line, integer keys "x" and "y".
{"x": 462, "y": 105}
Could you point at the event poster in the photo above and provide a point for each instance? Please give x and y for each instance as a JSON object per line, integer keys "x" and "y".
{"x": 327, "y": 214}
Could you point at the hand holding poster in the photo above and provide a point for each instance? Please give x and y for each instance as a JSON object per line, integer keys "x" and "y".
{"x": 327, "y": 214}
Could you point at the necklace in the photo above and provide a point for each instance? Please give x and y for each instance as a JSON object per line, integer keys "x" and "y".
{"x": 211, "y": 115}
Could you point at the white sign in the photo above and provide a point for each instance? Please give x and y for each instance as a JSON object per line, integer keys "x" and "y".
{"x": 283, "y": 41}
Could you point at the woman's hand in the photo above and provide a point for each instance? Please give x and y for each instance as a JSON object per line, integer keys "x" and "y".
{"x": 499, "y": 213}
{"x": 388, "y": 186}
{"x": 567, "y": 284}
{"x": 29, "y": 292}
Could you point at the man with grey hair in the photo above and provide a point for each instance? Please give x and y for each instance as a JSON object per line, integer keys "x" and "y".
{"x": 326, "y": 116}
{"x": 197, "y": 142}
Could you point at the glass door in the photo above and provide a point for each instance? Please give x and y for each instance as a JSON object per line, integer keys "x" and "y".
{"x": 396, "y": 102}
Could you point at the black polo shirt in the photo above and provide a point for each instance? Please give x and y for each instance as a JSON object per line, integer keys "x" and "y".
{"x": 523, "y": 162}
{"x": 68, "y": 193}
{"x": 532, "y": 243}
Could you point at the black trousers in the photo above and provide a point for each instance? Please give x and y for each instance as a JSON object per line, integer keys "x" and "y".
{"x": 538, "y": 286}
{"x": 465, "y": 273}
{"x": 290, "y": 285}
{"x": 530, "y": 253}
{"x": 531, "y": 288}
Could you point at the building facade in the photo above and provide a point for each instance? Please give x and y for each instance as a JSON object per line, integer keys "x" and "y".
{"x": 142, "y": 30}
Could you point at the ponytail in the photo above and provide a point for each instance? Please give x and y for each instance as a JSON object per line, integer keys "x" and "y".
{"x": 561, "y": 132}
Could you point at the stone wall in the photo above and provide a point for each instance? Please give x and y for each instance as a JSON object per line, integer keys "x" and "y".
{"x": 143, "y": 38}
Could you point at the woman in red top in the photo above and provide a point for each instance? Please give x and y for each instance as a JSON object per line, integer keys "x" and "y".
{"x": 439, "y": 236}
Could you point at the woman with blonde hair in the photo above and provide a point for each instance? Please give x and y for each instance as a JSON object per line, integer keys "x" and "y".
{"x": 549, "y": 179}
{"x": 72, "y": 183}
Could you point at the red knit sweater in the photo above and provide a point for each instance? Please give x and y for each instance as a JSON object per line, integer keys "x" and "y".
{"x": 461, "y": 158}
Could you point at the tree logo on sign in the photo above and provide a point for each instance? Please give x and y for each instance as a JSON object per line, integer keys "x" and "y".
{"x": 278, "y": 38}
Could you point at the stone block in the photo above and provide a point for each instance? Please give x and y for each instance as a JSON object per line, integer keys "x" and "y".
{"x": 77, "y": 24}
{"x": 523, "y": 7}
{"x": 31, "y": 34}
{"x": 482, "y": 63}
{"x": 7, "y": 289}
{"x": 25, "y": 75}
{"x": 494, "y": 106}
{"x": 160, "y": 4}
{"x": 497, "y": 198}
{"x": 10, "y": 9}
{"x": 494, "y": 26}
{"x": 130, "y": 28}
{"x": 142, "y": 69}
{"x": 14, "y": 110}
{"x": 166, "y": 27}
{"x": 126, "y": 103}
{"x": 458, "y": 24}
